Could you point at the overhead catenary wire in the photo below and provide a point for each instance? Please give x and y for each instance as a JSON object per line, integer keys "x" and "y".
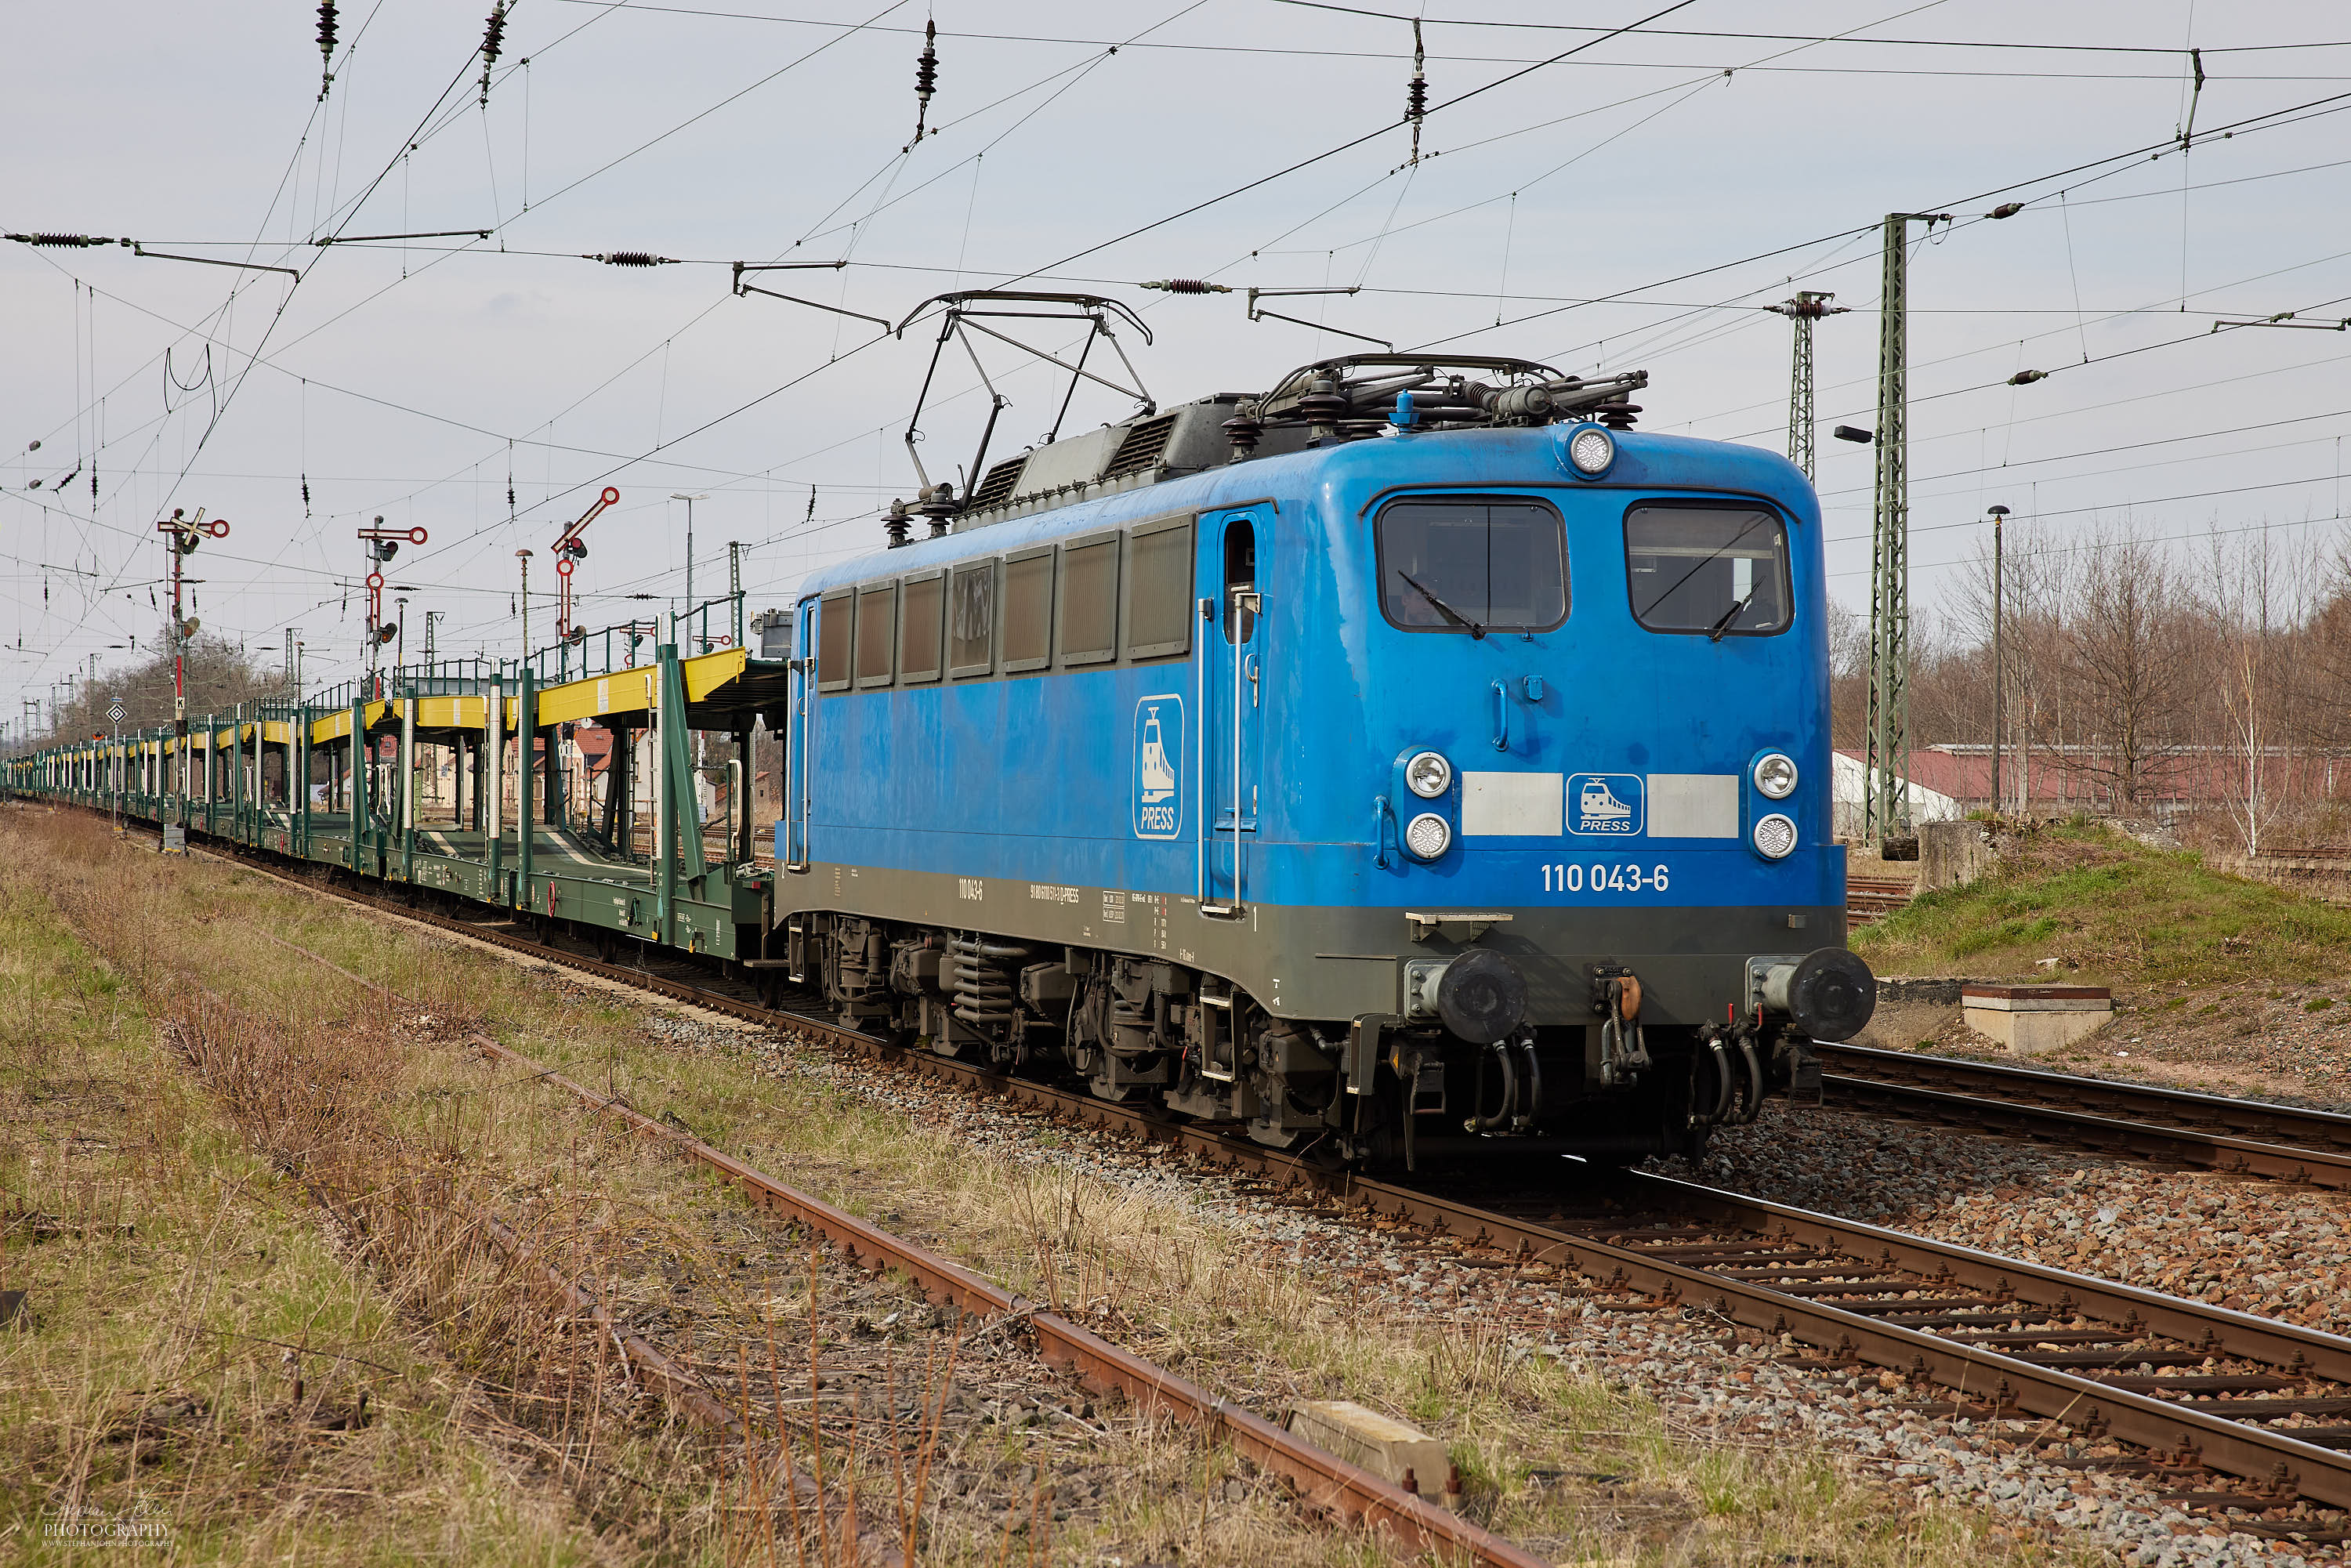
{"x": 1325, "y": 50}
{"x": 1473, "y": 293}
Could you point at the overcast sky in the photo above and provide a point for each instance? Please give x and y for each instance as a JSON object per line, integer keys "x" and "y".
{"x": 1630, "y": 206}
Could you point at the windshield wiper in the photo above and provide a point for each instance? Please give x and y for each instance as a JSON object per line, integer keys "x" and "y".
{"x": 1476, "y": 633}
{"x": 1714, "y": 633}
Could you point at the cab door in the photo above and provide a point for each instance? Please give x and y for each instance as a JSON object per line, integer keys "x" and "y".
{"x": 1232, "y": 701}
{"x": 798, "y": 805}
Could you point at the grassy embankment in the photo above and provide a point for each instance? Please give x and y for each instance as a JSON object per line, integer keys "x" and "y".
{"x": 1150, "y": 1266}
{"x": 2113, "y": 911}
{"x": 175, "y": 1282}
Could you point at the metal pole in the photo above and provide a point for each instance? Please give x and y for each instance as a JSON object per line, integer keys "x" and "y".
{"x": 179, "y": 667}
{"x": 526, "y": 736}
{"x": 523, "y": 556}
{"x": 1999, "y": 598}
{"x": 1886, "y": 765}
{"x": 689, "y": 501}
{"x": 1805, "y": 309}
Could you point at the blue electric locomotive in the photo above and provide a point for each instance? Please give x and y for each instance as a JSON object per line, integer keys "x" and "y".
{"x": 1408, "y": 760}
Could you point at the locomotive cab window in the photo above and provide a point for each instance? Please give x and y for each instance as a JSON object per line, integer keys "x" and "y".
{"x": 1240, "y": 579}
{"x": 1472, "y": 565}
{"x": 1721, "y": 571}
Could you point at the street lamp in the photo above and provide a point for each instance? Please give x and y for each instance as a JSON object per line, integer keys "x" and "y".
{"x": 1998, "y": 597}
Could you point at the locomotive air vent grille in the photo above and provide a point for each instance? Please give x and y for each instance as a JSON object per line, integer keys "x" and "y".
{"x": 1144, "y": 444}
{"x": 997, "y": 487}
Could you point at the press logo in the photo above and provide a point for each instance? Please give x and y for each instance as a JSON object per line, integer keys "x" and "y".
{"x": 1605, "y": 805}
{"x": 1159, "y": 766}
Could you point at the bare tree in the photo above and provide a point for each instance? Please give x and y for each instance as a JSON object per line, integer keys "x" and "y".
{"x": 1849, "y": 676}
{"x": 2133, "y": 644}
{"x": 218, "y": 676}
{"x": 2256, "y": 596}
{"x": 2033, "y": 582}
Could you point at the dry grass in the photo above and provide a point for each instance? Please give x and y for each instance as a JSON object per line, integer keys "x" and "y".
{"x": 1154, "y": 1269}
{"x": 405, "y": 1142}
{"x": 394, "y": 1145}
{"x": 177, "y": 1286}
{"x": 1143, "y": 1261}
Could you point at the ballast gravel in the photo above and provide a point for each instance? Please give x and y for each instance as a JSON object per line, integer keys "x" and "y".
{"x": 2257, "y": 1246}
{"x": 2272, "y": 1250}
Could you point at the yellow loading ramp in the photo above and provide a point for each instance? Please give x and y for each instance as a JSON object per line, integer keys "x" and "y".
{"x": 723, "y": 691}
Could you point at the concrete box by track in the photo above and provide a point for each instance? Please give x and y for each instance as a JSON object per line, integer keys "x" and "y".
{"x": 1380, "y": 1444}
{"x": 2032, "y": 1020}
{"x": 1950, "y": 853}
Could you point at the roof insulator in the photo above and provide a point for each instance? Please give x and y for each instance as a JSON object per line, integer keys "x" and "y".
{"x": 926, "y": 79}
{"x": 632, "y": 258}
{"x": 1415, "y": 97}
{"x": 1188, "y": 286}
{"x": 493, "y": 38}
{"x": 326, "y": 48}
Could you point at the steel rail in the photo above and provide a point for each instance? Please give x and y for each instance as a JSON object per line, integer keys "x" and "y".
{"x": 676, "y": 1383}
{"x": 2222, "y": 1331}
{"x": 681, "y": 1388}
{"x": 2253, "y": 1453}
{"x": 2105, "y": 1135}
{"x": 1325, "y": 1480}
{"x": 2263, "y": 1121}
{"x": 2261, "y": 1455}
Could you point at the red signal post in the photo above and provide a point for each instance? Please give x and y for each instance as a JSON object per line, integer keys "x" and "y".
{"x": 382, "y": 544}
{"x": 568, "y": 549}
{"x": 184, "y": 533}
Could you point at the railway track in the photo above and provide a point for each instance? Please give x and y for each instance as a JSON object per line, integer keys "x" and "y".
{"x": 1327, "y": 1483}
{"x": 1868, "y": 898}
{"x": 2209, "y": 1132}
{"x": 2241, "y": 1416}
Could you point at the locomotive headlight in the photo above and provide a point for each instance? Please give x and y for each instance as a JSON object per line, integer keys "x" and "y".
{"x": 1591, "y": 450}
{"x": 1775, "y": 836}
{"x": 1428, "y": 775}
{"x": 1427, "y": 835}
{"x": 1775, "y": 775}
